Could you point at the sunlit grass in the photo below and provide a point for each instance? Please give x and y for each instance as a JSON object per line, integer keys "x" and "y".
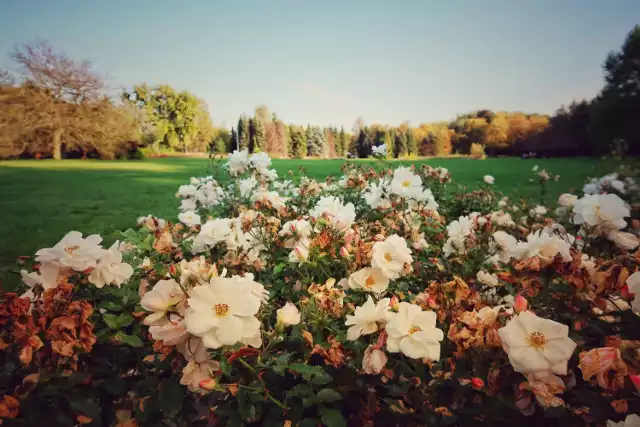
{"x": 41, "y": 200}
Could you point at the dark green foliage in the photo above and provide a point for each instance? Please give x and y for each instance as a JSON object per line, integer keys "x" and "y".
{"x": 243, "y": 132}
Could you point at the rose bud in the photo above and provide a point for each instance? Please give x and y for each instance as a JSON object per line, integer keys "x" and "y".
{"x": 374, "y": 360}
{"x": 520, "y": 304}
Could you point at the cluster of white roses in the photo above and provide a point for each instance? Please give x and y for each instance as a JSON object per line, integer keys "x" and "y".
{"x": 76, "y": 254}
{"x": 459, "y": 231}
{"x": 610, "y": 183}
{"x": 240, "y": 162}
{"x": 543, "y": 244}
{"x": 229, "y": 231}
{"x": 338, "y": 215}
{"x": 410, "y": 329}
{"x": 600, "y": 215}
{"x": 204, "y": 311}
{"x": 200, "y": 193}
{"x": 297, "y": 233}
{"x": 404, "y": 185}
{"x": 390, "y": 259}
{"x": 329, "y": 210}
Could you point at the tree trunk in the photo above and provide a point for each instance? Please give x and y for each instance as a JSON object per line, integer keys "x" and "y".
{"x": 57, "y": 143}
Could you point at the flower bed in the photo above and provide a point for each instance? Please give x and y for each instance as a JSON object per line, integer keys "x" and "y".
{"x": 384, "y": 298}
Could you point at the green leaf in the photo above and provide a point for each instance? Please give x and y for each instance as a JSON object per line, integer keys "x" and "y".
{"x": 314, "y": 374}
{"x": 171, "y": 395}
{"x": 111, "y": 320}
{"x": 130, "y": 340}
{"x": 111, "y": 306}
{"x": 278, "y": 268}
{"x": 300, "y": 390}
{"x": 282, "y": 363}
{"x": 125, "y": 320}
{"x": 332, "y": 418}
{"x": 117, "y": 322}
{"x": 224, "y": 366}
{"x": 328, "y": 395}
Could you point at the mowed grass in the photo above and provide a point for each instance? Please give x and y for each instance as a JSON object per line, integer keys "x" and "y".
{"x": 41, "y": 200}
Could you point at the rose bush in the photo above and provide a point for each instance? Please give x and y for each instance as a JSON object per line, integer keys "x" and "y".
{"x": 387, "y": 297}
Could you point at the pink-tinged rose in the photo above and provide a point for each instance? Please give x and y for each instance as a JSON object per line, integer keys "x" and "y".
{"x": 545, "y": 386}
{"x": 344, "y": 253}
{"x": 605, "y": 365}
{"x": 520, "y": 304}
{"x": 374, "y": 360}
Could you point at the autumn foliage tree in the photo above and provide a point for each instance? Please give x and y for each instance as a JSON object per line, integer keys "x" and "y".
{"x": 59, "y": 102}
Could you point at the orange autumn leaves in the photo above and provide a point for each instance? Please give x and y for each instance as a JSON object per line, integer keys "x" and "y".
{"x": 57, "y": 329}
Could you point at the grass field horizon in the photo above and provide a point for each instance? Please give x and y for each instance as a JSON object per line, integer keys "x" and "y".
{"x": 44, "y": 199}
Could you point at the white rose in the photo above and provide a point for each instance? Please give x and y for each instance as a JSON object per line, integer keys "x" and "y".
{"x": 534, "y": 344}
{"x": 288, "y": 315}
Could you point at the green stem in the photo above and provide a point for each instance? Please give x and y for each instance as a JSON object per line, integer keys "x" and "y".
{"x": 264, "y": 387}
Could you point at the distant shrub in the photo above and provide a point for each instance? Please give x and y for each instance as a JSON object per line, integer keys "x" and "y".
{"x": 477, "y": 151}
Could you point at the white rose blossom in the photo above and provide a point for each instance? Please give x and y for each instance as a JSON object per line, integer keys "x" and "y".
{"x": 238, "y": 162}
{"x": 414, "y": 333}
{"x": 211, "y": 233}
{"x": 391, "y": 255}
{"x": 189, "y": 218}
{"x": 369, "y": 279}
{"x": 487, "y": 278}
{"x": 288, "y": 315}
{"x": 73, "y": 251}
{"x": 632, "y": 420}
{"x": 110, "y": 270}
{"x": 163, "y": 299}
{"x": 339, "y": 215}
{"x": 601, "y": 211}
{"x": 260, "y": 161}
{"x": 534, "y": 344}
{"x": 405, "y": 183}
{"x": 365, "y": 319}
{"x": 221, "y": 314}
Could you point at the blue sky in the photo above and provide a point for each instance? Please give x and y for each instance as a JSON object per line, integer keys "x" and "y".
{"x": 328, "y": 62}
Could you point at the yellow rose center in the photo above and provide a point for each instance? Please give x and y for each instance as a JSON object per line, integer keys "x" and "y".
{"x": 537, "y": 339}
{"x": 369, "y": 282}
{"x": 388, "y": 257}
{"x": 406, "y": 183}
{"x": 414, "y": 329}
{"x": 71, "y": 249}
{"x": 221, "y": 309}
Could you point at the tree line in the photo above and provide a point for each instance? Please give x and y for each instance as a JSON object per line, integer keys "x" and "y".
{"x": 58, "y": 106}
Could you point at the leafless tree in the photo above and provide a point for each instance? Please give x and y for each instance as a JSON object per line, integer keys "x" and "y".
{"x": 61, "y": 98}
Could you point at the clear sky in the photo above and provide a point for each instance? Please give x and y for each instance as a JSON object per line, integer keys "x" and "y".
{"x": 328, "y": 62}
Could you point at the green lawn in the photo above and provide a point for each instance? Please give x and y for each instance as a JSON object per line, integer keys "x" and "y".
{"x": 43, "y": 199}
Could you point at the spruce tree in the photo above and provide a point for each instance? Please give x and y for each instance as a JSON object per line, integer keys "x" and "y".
{"x": 243, "y": 132}
{"x": 412, "y": 147}
{"x": 257, "y": 133}
{"x": 387, "y": 142}
{"x": 400, "y": 144}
